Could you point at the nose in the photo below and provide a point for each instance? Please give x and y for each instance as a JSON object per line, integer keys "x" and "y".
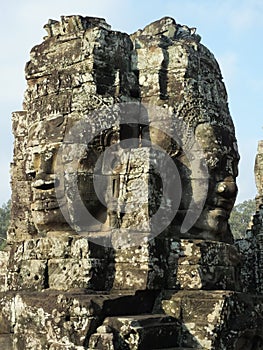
{"x": 45, "y": 164}
{"x": 227, "y": 188}
{"x": 44, "y": 178}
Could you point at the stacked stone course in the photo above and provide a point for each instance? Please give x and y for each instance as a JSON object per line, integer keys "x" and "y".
{"x": 108, "y": 287}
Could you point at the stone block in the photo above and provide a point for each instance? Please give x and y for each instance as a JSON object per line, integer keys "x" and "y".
{"x": 208, "y": 253}
{"x": 66, "y": 274}
{"x": 208, "y": 316}
{"x": 4, "y": 256}
{"x": 53, "y": 321}
{"x": 128, "y": 277}
{"x": 46, "y": 248}
{"x": 6, "y": 341}
{"x": 63, "y": 288}
{"x": 101, "y": 341}
{"x": 199, "y": 310}
{"x": 6, "y": 314}
{"x": 138, "y": 276}
{"x": 133, "y": 254}
{"x": 31, "y": 275}
{"x": 144, "y": 331}
{"x": 200, "y": 313}
{"x": 207, "y": 277}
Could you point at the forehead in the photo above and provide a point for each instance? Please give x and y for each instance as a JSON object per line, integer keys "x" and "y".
{"x": 49, "y": 130}
{"x": 219, "y": 147}
{"x": 216, "y": 138}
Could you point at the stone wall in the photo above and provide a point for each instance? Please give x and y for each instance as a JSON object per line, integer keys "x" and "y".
{"x": 258, "y": 173}
{"x": 123, "y": 180}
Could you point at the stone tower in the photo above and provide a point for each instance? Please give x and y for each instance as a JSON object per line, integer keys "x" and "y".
{"x": 123, "y": 180}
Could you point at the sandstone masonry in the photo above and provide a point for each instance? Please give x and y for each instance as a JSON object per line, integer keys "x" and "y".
{"x": 123, "y": 179}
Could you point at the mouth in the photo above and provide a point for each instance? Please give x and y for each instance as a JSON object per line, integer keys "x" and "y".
{"x": 45, "y": 205}
{"x": 220, "y": 212}
{"x": 222, "y": 209}
{"x": 45, "y": 185}
{"x": 223, "y": 204}
{"x": 46, "y": 197}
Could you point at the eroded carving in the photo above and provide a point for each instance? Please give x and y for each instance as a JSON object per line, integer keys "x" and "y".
{"x": 163, "y": 65}
{"x": 134, "y": 131}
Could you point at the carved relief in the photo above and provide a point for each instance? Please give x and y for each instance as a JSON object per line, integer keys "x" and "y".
{"x": 123, "y": 178}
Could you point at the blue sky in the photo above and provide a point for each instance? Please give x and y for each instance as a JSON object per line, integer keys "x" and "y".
{"x": 231, "y": 29}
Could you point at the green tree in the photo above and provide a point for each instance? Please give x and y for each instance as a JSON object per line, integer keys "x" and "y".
{"x": 4, "y": 222}
{"x": 241, "y": 217}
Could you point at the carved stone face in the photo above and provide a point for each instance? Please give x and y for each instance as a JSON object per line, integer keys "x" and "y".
{"x": 221, "y": 155}
{"x": 44, "y": 140}
{"x": 54, "y": 196}
{"x": 169, "y": 74}
{"x": 210, "y": 195}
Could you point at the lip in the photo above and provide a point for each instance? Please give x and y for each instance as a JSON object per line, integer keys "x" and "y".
{"x": 49, "y": 193}
{"x": 45, "y": 205}
{"x": 219, "y": 211}
{"x": 39, "y": 194}
{"x": 44, "y": 184}
{"x": 45, "y": 200}
{"x": 225, "y": 206}
{"x": 221, "y": 207}
{"x": 224, "y": 203}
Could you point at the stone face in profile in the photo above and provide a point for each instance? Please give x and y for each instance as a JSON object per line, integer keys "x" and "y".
{"x": 221, "y": 155}
{"x": 158, "y": 85}
{"x": 125, "y": 138}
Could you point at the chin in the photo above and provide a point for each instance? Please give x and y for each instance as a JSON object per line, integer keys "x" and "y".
{"x": 51, "y": 220}
{"x": 213, "y": 224}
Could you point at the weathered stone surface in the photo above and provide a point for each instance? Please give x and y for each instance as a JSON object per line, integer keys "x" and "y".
{"x": 58, "y": 320}
{"x": 164, "y": 65}
{"x": 259, "y": 174}
{"x": 53, "y": 320}
{"x": 143, "y": 331}
{"x": 251, "y": 248}
{"x": 4, "y": 257}
{"x": 6, "y": 341}
{"x": 208, "y": 315}
{"x": 123, "y": 180}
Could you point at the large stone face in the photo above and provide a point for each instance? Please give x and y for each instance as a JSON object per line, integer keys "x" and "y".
{"x": 160, "y": 86}
{"x": 123, "y": 179}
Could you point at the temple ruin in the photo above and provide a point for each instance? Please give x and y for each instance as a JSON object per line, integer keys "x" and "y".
{"x": 123, "y": 179}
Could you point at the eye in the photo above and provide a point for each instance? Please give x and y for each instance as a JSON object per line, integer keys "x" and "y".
{"x": 36, "y": 160}
{"x": 31, "y": 175}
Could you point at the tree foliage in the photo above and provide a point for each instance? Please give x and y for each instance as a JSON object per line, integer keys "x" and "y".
{"x": 241, "y": 217}
{"x": 4, "y": 221}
